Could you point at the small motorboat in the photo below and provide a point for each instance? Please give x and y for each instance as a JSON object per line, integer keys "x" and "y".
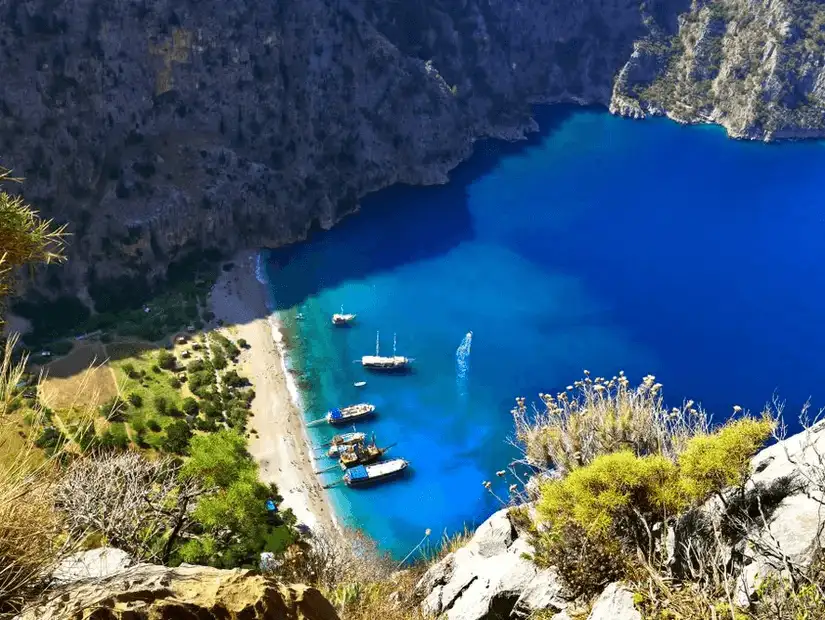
{"x": 363, "y": 475}
{"x": 359, "y": 383}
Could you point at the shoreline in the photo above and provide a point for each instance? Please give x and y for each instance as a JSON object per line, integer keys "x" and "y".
{"x": 280, "y": 444}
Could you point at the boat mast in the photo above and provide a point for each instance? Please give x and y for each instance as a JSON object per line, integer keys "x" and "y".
{"x": 376, "y": 343}
{"x": 394, "y": 341}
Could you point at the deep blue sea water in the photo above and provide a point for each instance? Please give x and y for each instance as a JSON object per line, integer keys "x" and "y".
{"x": 600, "y": 243}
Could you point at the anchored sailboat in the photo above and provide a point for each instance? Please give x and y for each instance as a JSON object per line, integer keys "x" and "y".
{"x": 377, "y": 362}
{"x": 340, "y": 319}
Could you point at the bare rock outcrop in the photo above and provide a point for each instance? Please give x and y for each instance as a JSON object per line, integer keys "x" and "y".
{"x": 490, "y": 577}
{"x": 146, "y": 591}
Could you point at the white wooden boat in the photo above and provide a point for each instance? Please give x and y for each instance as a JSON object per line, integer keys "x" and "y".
{"x": 379, "y": 362}
{"x": 364, "y": 475}
{"x": 349, "y": 414}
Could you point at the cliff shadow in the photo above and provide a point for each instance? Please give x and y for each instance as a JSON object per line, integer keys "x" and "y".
{"x": 401, "y": 224}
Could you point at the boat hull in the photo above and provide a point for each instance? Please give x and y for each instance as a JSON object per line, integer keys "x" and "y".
{"x": 397, "y": 369}
{"x": 348, "y": 419}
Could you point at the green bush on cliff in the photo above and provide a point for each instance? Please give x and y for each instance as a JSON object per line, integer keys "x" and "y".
{"x": 605, "y": 511}
{"x": 712, "y": 463}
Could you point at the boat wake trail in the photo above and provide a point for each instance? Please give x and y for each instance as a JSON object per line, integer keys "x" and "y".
{"x": 462, "y": 364}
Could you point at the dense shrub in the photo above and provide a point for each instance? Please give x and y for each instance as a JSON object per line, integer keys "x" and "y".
{"x": 711, "y": 463}
{"x": 190, "y": 406}
{"x": 136, "y": 400}
{"x": 161, "y": 405}
{"x": 153, "y": 425}
{"x": 114, "y": 437}
{"x": 616, "y": 503}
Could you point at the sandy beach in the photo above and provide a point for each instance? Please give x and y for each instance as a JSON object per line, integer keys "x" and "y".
{"x": 281, "y": 445}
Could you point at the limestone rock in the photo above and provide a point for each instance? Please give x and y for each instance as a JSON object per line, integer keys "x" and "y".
{"x": 145, "y": 592}
{"x": 615, "y": 603}
{"x": 488, "y": 577}
{"x": 94, "y": 564}
{"x": 755, "y": 67}
{"x": 545, "y": 591}
{"x": 790, "y": 478}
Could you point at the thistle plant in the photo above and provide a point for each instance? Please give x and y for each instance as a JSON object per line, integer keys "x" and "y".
{"x": 596, "y": 416}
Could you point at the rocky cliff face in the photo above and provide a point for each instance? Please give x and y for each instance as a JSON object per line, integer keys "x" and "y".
{"x": 159, "y": 127}
{"x": 162, "y": 127}
{"x": 755, "y": 67}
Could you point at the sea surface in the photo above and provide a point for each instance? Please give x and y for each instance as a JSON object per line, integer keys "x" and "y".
{"x": 600, "y": 243}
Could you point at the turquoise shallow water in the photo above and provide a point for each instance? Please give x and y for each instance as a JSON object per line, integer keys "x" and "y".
{"x": 600, "y": 243}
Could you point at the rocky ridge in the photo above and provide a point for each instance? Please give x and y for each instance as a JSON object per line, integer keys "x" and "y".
{"x": 755, "y": 67}
{"x": 112, "y": 590}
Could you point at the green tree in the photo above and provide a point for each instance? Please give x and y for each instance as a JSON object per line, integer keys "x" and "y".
{"x": 219, "y": 360}
{"x": 166, "y": 360}
{"x": 234, "y": 517}
{"x": 177, "y": 437}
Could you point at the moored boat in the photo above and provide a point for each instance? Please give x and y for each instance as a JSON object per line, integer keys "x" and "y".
{"x": 363, "y": 475}
{"x": 359, "y": 383}
{"x": 340, "y": 318}
{"x": 341, "y": 442}
{"x": 349, "y": 414}
{"x": 382, "y": 362}
{"x": 378, "y": 362}
{"x": 360, "y": 454}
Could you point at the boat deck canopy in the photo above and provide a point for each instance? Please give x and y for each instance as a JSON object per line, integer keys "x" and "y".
{"x": 358, "y": 473}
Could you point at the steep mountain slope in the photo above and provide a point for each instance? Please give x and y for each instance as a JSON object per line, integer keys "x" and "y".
{"x": 159, "y": 128}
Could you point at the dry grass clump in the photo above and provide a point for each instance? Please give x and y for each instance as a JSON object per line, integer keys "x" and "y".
{"x": 31, "y": 532}
{"x": 599, "y": 416}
